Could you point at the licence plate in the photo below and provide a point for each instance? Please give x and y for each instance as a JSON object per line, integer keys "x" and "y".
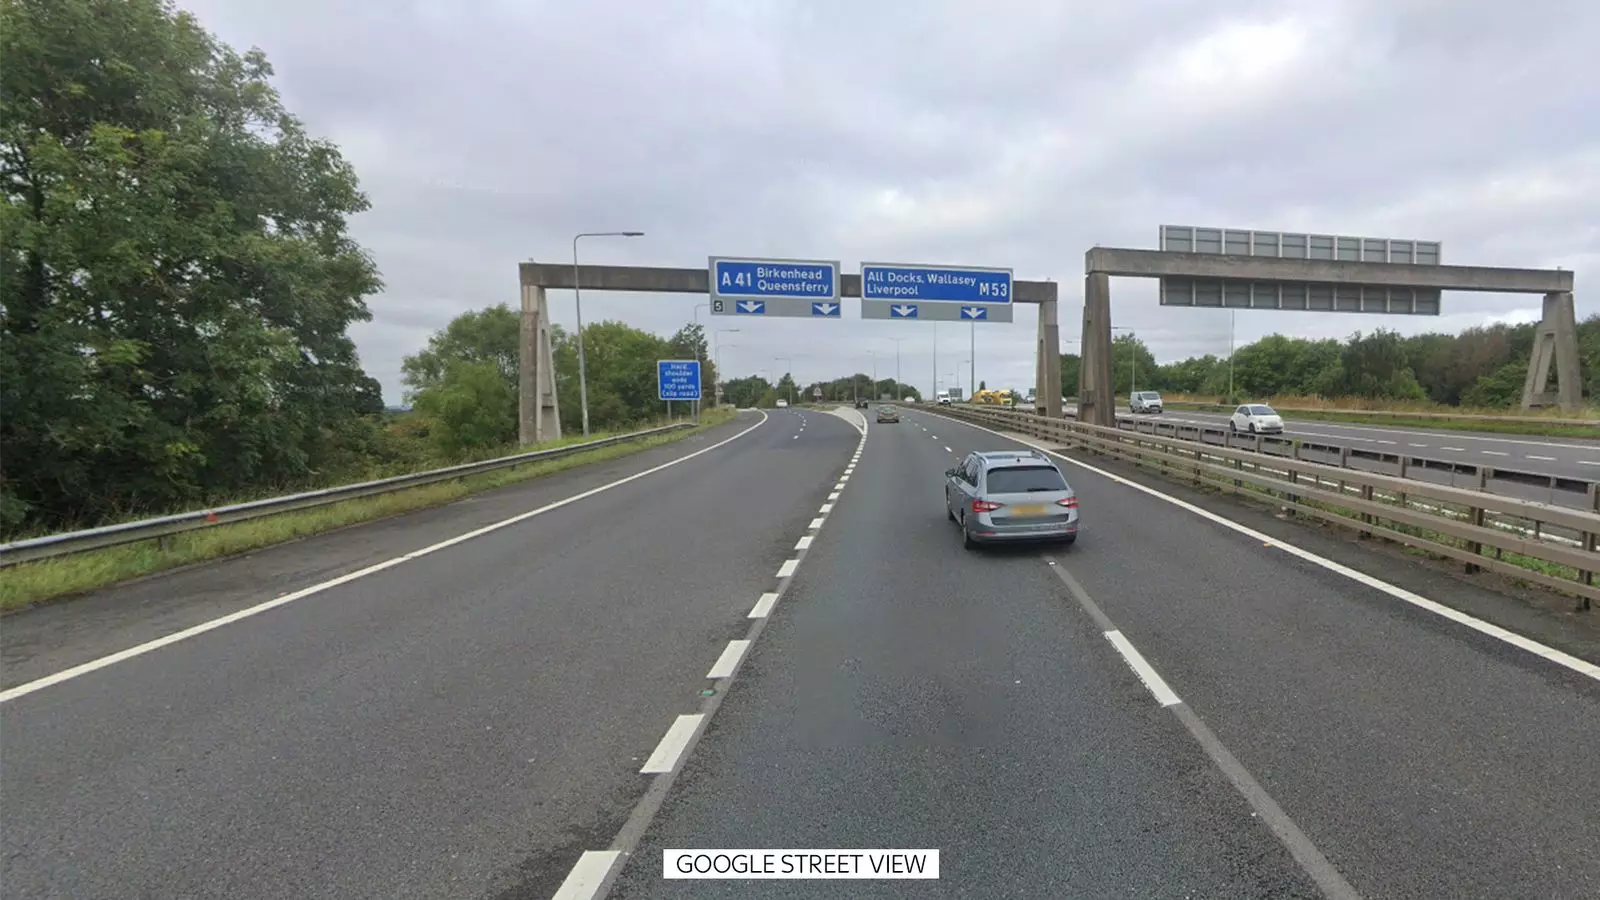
{"x": 1035, "y": 509}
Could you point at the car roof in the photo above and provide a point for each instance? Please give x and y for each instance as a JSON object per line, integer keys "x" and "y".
{"x": 995, "y": 459}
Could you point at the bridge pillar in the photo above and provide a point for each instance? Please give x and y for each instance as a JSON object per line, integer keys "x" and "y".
{"x": 1047, "y": 372}
{"x": 538, "y": 412}
{"x": 1095, "y": 397}
{"x": 1555, "y": 343}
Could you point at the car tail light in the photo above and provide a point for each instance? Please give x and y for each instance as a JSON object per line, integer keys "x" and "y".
{"x": 1068, "y": 502}
{"x": 985, "y": 506}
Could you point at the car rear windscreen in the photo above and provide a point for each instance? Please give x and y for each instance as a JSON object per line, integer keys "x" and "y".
{"x": 1022, "y": 479}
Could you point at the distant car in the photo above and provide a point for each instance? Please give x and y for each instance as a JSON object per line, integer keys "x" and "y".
{"x": 782, "y": 404}
{"x": 888, "y": 414}
{"x": 1010, "y": 495}
{"x": 861, "y": 403}
{"x": 1256, "y": 418}
{"x": 1144, "y": 402}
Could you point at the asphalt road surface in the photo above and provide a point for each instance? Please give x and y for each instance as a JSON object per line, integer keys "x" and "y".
{"x": 1169, "y": 708}
{"x": 910, "y": 694}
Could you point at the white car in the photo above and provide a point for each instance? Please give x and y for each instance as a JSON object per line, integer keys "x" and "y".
{"x": 782, "y": 404}
{"x": 1256, "y": 418}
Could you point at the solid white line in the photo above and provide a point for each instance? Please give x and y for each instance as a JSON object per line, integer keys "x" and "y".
{"x": 22, "y": 690}
{"x": 729, "y": 660}
{"x": 826, "y": 508}
{"x": 816, "y": 523}
{"x": 1543, "y": 458}
{"x": 588, "y": 873}
{"x": 1146, "y": 672}
{"x": 804, "y": 543}
{"x": 788, "y": 567}
{"x": 1494, "y": 452}
{"x": 1566, "y": 660}
{"x": 763, "y": 606}
{"x": 672, "y": 745}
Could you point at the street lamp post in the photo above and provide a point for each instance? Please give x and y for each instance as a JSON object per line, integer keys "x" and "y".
{"x": 898, "y": 385}
{"x": 716, "y": 360}
{"x": 697, "y": 403}
{"x": 972, "y": 351}
{"x": 1231, "y": 315}
{"x": 873, "y": 354}
{"x": 577, "y": 296}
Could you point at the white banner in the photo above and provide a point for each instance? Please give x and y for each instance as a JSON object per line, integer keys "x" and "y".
{"x": 800, "y": 864}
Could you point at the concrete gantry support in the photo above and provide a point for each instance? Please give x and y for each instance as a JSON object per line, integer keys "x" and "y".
{"x": 1555, "y": 345}
{"x": 1557, "y": 339}
{"x": 1047, "y": 366}
{"x": 1096, "y": 403}
{"x": 538, "y": 411}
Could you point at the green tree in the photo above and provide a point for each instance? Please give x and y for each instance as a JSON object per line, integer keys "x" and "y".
{"x": 1071, "y": 366}
{"x": 1130, "y": 360}
{"x": 471, "y": 408}
{"x": 490, "y": 336}
{"x": 175, "y": 276}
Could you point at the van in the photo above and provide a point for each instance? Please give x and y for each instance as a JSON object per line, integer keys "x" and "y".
{"x": 1144, "y": 402}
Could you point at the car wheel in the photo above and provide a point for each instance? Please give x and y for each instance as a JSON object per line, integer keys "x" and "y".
{"x": 1232, "y": 428}
{"x": 1252, "y": 428}
{"x": 949, "y": 513}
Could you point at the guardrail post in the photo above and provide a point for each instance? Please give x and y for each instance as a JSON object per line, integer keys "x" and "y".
{"x": 1591, "y": 540}
{"x": 1366, "y": 518}
{"x": 1294, "y": 476}
{"x": 1405, "y": 468}
{"x": 1477, "y": 516}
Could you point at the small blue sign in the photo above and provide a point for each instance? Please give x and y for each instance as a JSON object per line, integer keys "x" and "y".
{"x": 974, "y": 312}
{"x": 751, "y": 307}
{"x": 831, "y": 309}
{"x": 943, "y": 284}
{"x": 677, "y": 379}
{"x": 772, "y": 278}
{"x": 904, "y": 311}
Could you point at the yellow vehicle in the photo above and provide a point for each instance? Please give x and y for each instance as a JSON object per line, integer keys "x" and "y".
{"x": 995, "y": 398}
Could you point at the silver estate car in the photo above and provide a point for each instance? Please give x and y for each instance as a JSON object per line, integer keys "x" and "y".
{"x": 1010, "y": 495}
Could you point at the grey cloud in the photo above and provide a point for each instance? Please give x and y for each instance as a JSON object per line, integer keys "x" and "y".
{"x": 1002, "y": 133}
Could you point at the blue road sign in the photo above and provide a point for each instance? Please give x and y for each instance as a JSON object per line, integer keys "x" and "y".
{"x": 944, "y": 284}
{"x": 904, "y": 310}
{"x": 830, "y": 308}
{"x": 750, "y": 307}
{"x": 742, "y": 286}
{"x": 678, "y": 379}
{"x": 974, "y": 312}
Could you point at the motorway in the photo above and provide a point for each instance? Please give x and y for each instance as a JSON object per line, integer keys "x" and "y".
{"x": 1566, "y": 457}
{"x": 1173, "y": 707}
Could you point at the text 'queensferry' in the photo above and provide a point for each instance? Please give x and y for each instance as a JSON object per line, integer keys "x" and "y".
{"x": 816, "y": 280}
{"x": 800, "y": 864}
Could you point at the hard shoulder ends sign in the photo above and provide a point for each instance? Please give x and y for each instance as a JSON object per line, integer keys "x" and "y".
{"x": 942, "y": 293}
{"x": 677, "y": 379}
{"x": 742, "y": 286}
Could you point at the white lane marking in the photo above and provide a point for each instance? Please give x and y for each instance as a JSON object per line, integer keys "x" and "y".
{"x": 948, "y": 450}
{"x": 816, "y": 523}
{"x": 1495, "y": 452}
{"x": 804, "y": 543}
{"x": 1386, "y": 442}
{"x": 833, "y": 496}
{"x": 1416, "y": 445}
{"x": 788, "y": 567}
{"x": 795, "y": 438}
{"x": 1542, "y": 458}
{"x": 841, "y": 484}
{"x": 37, "y": 684}
{"x": 763, "y": 606}
{"x": 1566, "y": 660}
{"x": 1454, "y": 449}
{"x": 1589, "y": 462}
{"x": 588, "y": 873}
{"x": 672, "y": 745}
{"x": 936, "y": 437}
{"x": 729, "y": 660}
{"x": 826, "y": 508}
{"x": 1142, "y": 668}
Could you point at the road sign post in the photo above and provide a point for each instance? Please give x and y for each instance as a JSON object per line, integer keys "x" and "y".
{"x": 907, "y": 292}
{"x": 783, "y": 288}
{"x": 678, "y": 379}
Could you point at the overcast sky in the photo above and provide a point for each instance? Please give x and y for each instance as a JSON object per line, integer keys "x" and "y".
{"x": 993, "y": 133}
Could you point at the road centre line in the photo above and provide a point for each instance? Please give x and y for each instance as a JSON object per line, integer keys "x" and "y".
{"x": 585, "y": 879}
{"x": 1495, "y": 452}
{"x": 825, "y": 508}
{"x": 804, "y": 543}
{"x": 1542, "y": 458}
{"x": 1454, "y": 449}
{"x": 684, "y": 738}
{"x": 82, "y": 669}
{"x": 729, "y": 660}
{"x": 673, "y": 743}
{"x": 1311, "y": 860}
{"x": 816, "y": 523}
{"x": 1565, "y": 660}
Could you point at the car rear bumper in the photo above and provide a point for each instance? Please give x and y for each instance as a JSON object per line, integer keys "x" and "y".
{"x": 985, "y": 532}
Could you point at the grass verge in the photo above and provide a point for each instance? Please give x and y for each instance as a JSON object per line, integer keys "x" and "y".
{"x": 49, "y": 580}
